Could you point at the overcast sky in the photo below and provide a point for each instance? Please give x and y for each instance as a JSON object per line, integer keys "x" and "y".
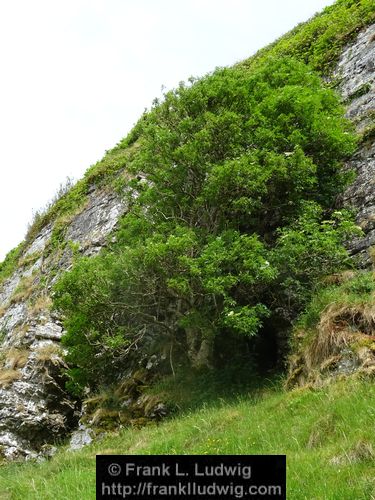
{"x": 75, "y": 75}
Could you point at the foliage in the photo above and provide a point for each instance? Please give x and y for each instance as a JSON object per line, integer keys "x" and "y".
{"x": 317, "y": 42}
{"x": 306, "y": 251}
{"x": 158, "y": 287}
{"x": 10, "y": 262}
{"x": 241, "y": 169}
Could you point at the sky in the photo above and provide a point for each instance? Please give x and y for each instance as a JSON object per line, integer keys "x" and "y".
{"x": 76, "y": 75}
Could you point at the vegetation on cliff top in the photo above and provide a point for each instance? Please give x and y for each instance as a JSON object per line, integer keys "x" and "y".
{"x": 317, "y": 42}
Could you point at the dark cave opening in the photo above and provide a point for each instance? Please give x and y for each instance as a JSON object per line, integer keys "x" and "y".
{"x": 270, "y": 346}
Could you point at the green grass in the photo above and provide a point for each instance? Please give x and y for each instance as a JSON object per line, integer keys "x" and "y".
{"x": 355, "y": 292}
{"x": 319, "y": 41}
{"x": 328, "y": 436}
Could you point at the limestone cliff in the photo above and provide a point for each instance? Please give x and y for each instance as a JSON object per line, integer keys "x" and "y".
{"x": 34, "y": 408}
{"x": 356, "y": 83}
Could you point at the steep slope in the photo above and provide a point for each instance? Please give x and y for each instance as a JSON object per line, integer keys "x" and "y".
{"x": 34, "y": 406}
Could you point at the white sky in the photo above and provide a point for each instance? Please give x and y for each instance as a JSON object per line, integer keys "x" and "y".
{"x": 75, "y": 75}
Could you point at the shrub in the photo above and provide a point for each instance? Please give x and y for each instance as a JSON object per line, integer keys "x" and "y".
{"x": 241, "y": 170}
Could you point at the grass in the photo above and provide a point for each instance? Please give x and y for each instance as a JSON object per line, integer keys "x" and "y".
{"x": 9, "y": 264}
{"x": 319, "y": 41}
{"x": 328, "y": 436}
{"x": 48, "y": 352}
{"x": 23, "y": 290}
{"x": 16, "y": 358}
{"x": 342, "y": 307}
{"x": 8, "y": 376}
{"x": 339, "y": 319}
{"x": 41, "y": 303}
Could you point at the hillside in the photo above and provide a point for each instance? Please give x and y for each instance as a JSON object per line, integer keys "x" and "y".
{"x": 327, "y": 434}
{"x": 225, "y": 242}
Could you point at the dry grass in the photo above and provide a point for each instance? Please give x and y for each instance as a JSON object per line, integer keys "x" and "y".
{"x": 341, "y": 342}
{"x": 3, "y": 310}
{"x": 2, "y": 359}
{"x": 372, "y": 255}
{"x": 48, "y": 352}
{"x": 42, "y": 303}
{"x": 339, "y": 278}
{"x": 16, "y": 358}
{"x": 23, "y": 290}
{"x": 7, "y": 377}
{"x": 103, "y": 416}
{"x": 362, "y": 451}
{"x": 20, "y": 331}
{"x": 339, "y": 326}
{"x": 30, "y": 259}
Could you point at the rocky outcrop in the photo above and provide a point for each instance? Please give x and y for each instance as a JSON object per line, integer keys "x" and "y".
{"x": 355, "y": 74}
{"x": 342, "y": 346}
{"x": 34, "y": 407}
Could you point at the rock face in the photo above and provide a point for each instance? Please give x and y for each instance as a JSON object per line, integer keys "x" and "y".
{"x": 356, "y": 74}
{"x": 34, "y": 408}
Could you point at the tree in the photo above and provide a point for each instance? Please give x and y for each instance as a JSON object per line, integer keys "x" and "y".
{"x": 241, "y": 170}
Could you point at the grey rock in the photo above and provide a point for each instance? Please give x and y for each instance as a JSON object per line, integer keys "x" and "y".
{"x": 49, "y": 331}
{"x": 91, "y": 227}
{"x": 33, "y": 268}
{"x": 355, "y": 71}
{"x": 83, "y": 436}
{"x": 40, "y": 242}
{"x": 348, "y": 363}
{"x": 8, "y": 288}
{"x": 14, "y": 316}
{"x": 35, "y": 410}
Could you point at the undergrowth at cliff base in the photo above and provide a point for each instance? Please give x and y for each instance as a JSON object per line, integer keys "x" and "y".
{"x": 327, "y": 435}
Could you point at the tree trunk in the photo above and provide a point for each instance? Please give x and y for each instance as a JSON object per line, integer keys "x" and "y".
{"x": 200, "y": 348}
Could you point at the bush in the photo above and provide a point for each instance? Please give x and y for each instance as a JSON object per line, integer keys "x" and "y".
{"x": 241, "y": 171}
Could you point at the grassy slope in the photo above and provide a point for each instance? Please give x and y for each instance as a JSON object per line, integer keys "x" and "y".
{"x": 326, "y": 434}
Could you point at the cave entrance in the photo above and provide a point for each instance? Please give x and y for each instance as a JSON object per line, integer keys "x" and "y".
{"x": 270, "y": 346}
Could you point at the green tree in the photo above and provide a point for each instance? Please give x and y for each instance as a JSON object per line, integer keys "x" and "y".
{"x": 231, "y": 224}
